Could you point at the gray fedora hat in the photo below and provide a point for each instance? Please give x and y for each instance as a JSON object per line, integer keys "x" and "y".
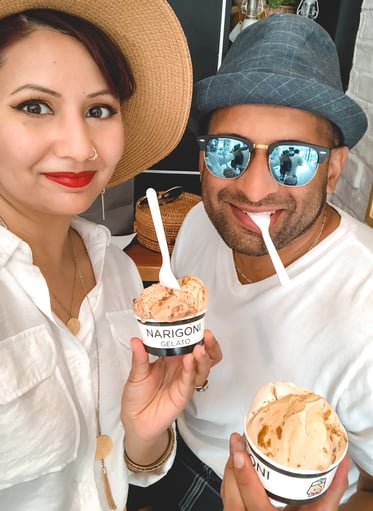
{"x": 283, "y": 59}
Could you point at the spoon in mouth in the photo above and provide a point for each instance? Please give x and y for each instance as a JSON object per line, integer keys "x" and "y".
{"x": 262, "y": 220}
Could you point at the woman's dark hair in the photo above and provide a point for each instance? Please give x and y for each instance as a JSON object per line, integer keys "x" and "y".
{"x": 106, "y": 54}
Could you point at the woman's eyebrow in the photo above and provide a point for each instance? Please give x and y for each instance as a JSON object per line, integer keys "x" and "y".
{"x": 45, "y": 90}
{"x": 100, "y": 93}
{"x": 39, "y": 88}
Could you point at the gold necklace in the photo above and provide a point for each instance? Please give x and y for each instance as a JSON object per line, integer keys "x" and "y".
{"x": 315, "y": 242}
{"x": 104, "y": 443}
{"x": 73, "y": 323}
{"x": 241, "y": 273}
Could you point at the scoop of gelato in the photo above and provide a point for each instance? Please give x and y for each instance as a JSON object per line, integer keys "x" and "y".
{"x": 295, "y": 427}
{"x": 160, "y": 303}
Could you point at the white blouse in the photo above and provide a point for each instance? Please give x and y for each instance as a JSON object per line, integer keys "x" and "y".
{"x": 48, "y": 381}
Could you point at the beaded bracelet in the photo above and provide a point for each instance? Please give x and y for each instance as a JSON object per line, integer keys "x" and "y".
{"x": 135, "y": 467}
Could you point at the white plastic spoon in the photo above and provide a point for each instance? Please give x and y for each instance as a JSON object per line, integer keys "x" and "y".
{"x": 263, "y": 220}
{"x": 166, "y": 277}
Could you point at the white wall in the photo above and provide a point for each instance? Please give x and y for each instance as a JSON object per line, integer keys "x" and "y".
{"x": 354, "y": 187}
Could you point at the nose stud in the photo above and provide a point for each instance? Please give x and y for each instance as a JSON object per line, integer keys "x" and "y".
{"x": 95, "y": 155}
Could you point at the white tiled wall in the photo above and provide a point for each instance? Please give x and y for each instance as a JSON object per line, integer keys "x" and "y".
{"x": 353, "y": 189}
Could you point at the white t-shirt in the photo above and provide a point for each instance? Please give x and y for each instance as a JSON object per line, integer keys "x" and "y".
{"x": 48, "y": 381}
{"x": 318, "y": 333}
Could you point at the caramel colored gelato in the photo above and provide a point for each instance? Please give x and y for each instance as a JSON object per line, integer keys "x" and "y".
{"x": 295, "y": 427}
{"x": 160, "y": 303}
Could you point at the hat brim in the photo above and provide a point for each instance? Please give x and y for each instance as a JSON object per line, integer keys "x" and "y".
{"x": 267, "y": 88}
{"x": 151, "y": 38}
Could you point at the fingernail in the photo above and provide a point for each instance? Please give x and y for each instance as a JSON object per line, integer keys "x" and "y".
{"x": 201, "y": 348}
{"x": 238, "y": 459}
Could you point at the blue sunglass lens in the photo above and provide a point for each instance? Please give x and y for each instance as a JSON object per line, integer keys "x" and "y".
{"x": 293, "y": 164}
{"x": 226, "y": 157}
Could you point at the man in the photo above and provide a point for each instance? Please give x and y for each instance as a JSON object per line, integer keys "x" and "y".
{"x": 242, "y": 490}
{"x": 296, "y": 161}
{"x": 285, "y": 164}
{"x": 278, "y": 89}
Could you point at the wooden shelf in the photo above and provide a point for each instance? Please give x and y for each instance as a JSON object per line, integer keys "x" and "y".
{"x": 147, "y": 261}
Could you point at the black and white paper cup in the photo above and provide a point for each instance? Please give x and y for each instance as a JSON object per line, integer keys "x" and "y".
{"x": 290, "y": 485}
{"x": 166, "y": 339}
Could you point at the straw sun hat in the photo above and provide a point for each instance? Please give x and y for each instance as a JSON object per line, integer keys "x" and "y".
{"x": 151, "y": 38}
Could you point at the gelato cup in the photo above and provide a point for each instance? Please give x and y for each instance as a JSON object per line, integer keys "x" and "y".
{"x": 165, "y": 338}
{"x": 171, "y": 320}
{"x": 295, "y": 442}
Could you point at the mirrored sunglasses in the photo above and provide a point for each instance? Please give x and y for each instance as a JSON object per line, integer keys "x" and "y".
{"x": 291, "y": 163}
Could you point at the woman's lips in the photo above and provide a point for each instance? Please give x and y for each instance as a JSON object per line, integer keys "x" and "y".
{"x": 71, "y": 179}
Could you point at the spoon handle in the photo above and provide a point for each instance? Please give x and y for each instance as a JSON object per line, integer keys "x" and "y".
{"x": 277, "y": 263}
{"x": 166, "y": 277}
{"x": 151, "y": 195}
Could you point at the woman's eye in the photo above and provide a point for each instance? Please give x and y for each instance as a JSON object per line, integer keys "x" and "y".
{"x": 101, "y": 111}
{"x": 35, "y": 108}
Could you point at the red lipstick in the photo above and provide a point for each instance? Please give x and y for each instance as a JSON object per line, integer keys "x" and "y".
{"x": 71, "y": 179}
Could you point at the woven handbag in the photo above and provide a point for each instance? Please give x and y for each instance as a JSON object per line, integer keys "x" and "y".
{"x": 174, "y": 204}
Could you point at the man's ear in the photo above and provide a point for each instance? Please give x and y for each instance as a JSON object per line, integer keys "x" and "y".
{"x": 337, "y": 161}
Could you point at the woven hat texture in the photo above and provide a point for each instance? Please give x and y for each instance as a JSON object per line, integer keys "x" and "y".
{"x": 151, "y": 38}
{"x": 283, "y": 59}
{"x": 172, "y": 214}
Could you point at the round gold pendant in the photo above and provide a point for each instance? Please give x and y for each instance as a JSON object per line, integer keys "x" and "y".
{"x": 73, "y": 325}
{"x": 104, "y": 445}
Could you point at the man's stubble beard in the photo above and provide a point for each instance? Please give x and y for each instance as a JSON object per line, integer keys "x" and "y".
{"x": 251, "y": 243}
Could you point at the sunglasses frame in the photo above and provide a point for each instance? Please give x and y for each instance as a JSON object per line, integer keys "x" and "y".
{"x": 163, "y": 197}
{"x": 322, "y": 152}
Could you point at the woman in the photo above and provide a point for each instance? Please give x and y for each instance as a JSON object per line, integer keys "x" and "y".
{"x": 70, "y": 100}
